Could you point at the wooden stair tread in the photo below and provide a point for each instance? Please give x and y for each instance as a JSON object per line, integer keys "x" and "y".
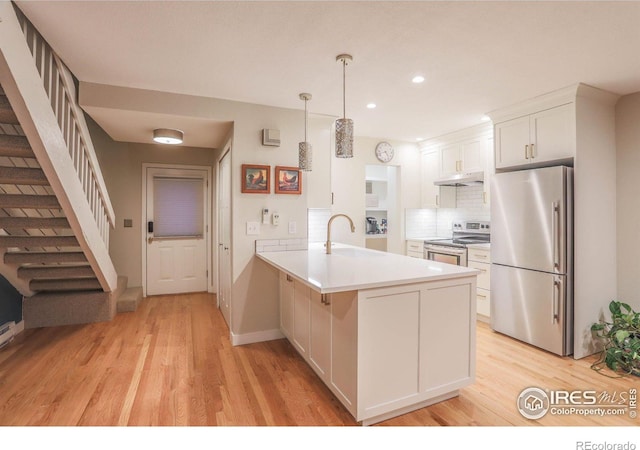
{"x": 15, "y": 146}
{"x": 38, "y": 241}
{"x": 51, "y": 272}
{"x": 79, "y": 284}
{"x": 43, "y": 257}
{"x": 15, "y": 223}
{"x": 23, "y": 176}
{"x": 6, "y": 112}
{"x": 29, "y": 201}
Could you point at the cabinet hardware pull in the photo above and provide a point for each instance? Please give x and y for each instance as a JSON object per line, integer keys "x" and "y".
{"x": 532, "y": 151}
{"x": 480, "y": 295}
{"x": 526, "y": 151}
{"x": 484, "y": 197}
{"x": 289, "y": 278}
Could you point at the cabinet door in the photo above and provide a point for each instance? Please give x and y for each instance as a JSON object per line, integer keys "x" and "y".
{"x": 553, "y": 133}
{"x": 286, "y": 305}
{"x": 450, "y": 160}
{"x": 344, "y": 348}
{"x": 434, "y": 196}
{"x": 320, "y": 336}
{"x": 483, "y": 305}
{"x": 301, "y": 318}
{"x": 472, "y": 155}
{"x": 512, "y": 139}
{"x": 484, "y": 277}
{"x": 489, "y": 171}
{"x": 430, "y": 171}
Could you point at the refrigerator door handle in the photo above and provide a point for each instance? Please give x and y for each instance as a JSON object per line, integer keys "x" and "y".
{"x": 555, "y": 307}
{"x": 555, "y": 232}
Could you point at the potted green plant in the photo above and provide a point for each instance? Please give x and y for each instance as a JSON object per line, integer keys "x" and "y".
{"x": 621, "y": 340}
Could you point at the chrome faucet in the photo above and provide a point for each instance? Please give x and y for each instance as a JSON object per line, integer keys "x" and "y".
{"x": 328, "y": 243}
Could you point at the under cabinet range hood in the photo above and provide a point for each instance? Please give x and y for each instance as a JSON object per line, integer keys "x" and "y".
{"x": 461, "y": 179}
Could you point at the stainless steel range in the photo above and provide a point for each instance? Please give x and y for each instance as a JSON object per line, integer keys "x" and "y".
{"x": 454, "y": 250}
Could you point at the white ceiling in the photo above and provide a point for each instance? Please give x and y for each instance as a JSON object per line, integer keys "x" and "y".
{"x": 476, "y": 56}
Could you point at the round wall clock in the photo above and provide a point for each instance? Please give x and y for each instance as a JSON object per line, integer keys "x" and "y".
{"x": 384, "y": 152}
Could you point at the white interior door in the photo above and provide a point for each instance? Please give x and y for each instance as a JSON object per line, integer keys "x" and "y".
{"x": 177, "y": 226}
{"x": 224, "y": 237}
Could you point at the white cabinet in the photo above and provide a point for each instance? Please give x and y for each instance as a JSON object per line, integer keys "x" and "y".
{"x": 286, "y": 304}
{"x": 320, "y": 335}
{"x": 480, "y": 259}
{"x": 542, "y": 137}
{"x": 301, "y": 317}
{"x": 380, "y": 350}
{"x": 415, "y": 249}
{"x": 434, "y": 196}
{"x": 463, "y": 157}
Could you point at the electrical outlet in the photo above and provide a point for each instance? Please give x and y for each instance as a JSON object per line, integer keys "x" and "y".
{"x": 275, "y": 218}
{"x": 253, "y": 228}
{"x": 293, "y": 228}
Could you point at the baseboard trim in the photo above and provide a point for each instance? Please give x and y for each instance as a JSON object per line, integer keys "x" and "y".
{"x": 257, "y": 336}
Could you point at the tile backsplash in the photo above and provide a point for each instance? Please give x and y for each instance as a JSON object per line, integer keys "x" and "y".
{"x": 317, "y": 219}
{"x": 437, "y": 222}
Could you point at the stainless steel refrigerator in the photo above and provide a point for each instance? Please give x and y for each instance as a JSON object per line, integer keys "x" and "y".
{"x": 532, "y": 257}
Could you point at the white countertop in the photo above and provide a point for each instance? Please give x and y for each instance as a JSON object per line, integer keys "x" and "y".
{"x": 350, "y": 268}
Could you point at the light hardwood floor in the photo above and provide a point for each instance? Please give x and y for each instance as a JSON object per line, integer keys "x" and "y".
{"x": 171, "y": 363}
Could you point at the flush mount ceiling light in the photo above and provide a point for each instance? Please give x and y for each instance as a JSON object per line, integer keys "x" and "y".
{"x": 344, "y": 126}
{"x": 371, "y": 105}
{"x": 304, "y": 148}
{"x": 417, "y": 79}
{"x": 167, "y": 136}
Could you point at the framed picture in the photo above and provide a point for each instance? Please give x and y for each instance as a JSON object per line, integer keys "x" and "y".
{"x": 256, "y": 179}
{"x": 288, "y": 180}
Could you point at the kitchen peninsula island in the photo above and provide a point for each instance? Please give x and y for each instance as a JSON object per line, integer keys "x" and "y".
{"x": 387, "y": 333}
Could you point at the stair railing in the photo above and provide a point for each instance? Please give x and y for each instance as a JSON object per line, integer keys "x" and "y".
{"x": 60, "y": 87}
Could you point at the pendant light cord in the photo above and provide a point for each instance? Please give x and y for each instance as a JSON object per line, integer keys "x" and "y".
{"x": 306, "y": 117}
{"x": 344, "y": 89}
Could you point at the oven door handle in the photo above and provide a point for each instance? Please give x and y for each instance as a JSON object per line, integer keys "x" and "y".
{"x": 451, "y": 250}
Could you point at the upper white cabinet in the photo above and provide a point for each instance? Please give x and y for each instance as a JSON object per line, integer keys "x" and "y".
{"x": 533, "y": 139}
{"x": 434, "y": 196}
{"x": 463, "y": 157}
{"x": 465, "y": 151}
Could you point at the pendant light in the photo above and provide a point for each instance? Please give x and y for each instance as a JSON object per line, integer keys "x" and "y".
{"x": 344, "y": 126}
{"x": 304, "y": 148}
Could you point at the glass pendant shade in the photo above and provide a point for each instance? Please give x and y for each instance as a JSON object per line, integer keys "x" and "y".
{"x": 305, "y": 151}
{"x": 344, "y": 126}
{"x": 344, "y": 138}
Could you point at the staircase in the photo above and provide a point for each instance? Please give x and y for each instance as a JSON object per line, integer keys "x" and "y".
{"x": 55, "y": 213}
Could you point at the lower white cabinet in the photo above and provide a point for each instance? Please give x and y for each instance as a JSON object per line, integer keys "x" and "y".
{"x": 385, "y": 351}
{"x": 415, "y": 248}
{"x": 481, "y": 259}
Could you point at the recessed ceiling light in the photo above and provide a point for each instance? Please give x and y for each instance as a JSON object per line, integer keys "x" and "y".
{"x": 419, "y": 139}
{"x": 417, "y": 79}
{"x": 485, "y": 118}
{"x": 371, "y": 105}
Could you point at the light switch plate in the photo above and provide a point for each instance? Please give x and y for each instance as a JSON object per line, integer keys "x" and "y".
{"x": 253, "y": 228}
{"x": 293, "y": 228}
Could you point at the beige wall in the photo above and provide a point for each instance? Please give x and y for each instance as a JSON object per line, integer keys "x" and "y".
{"x": 254, "y": 294}
{"x": 121, "y": 164}
{"x": 348, "y": 186}
{"x": 628, "y": 198}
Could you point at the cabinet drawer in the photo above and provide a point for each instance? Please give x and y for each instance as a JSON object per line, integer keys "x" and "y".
{"x": 484, "y": 277}
{"x": 415, "y": 254}
{"x": 483, "y": 304}
{"x": 415, "y": 246}
{"x": 480, "y": 255}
